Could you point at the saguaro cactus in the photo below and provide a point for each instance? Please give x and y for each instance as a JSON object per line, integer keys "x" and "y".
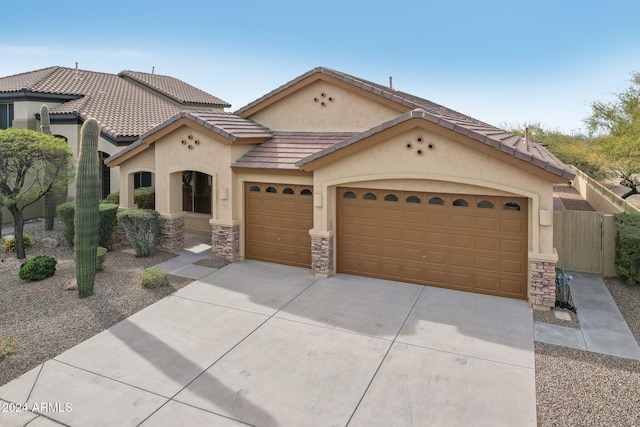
{"x": 50, "y": 196}
{"x": 87, "y": 209}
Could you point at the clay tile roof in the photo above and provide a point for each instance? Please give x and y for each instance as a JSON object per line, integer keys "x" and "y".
{"x": 445, "y": 117}
{"x": 529, "y": 151}
{"x": 225, "y": 124}
{"x": 174, "y": 88}
{"x": 124, "y": 107}
{"x": 285, "y": 149}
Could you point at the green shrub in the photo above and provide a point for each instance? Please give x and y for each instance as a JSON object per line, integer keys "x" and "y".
{"x": 102, "y": 257}
{"x": 7, "y": 344}
{"x": 143, "y": 197}
{"x": 10, "y": 244}
{"x": 628, "y": 247}
{"x": 113, "y": 198}
{"x": 66, "y": 212}
{"x": 108, "y": 234}
{"x": 143, "y": 228}
{"x": 152, "y": 278}
{"x": 108, "y": 225}
{"x": 37, "y": 268}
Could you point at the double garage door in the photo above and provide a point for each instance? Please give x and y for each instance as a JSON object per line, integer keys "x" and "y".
{"x": 464, "y": 242}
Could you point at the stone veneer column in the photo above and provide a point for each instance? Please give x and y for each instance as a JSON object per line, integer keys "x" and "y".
{"x": 225, "y": 241}
{"x": 173, "y": 232}
{"x": 542, "y": 284}
{"x": 322, "y": 255}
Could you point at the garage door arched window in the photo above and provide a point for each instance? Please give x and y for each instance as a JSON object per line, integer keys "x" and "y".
{"x": 271, "y": 190}
{"x": 306, "y": 192}
{"x": 390, "y": 198}
{"x": 511, "y": 206}
{"x": 349, "y": 195}
{"x": 370, "y": 196}
{"x": 461, "y": 202}
{"x": 254, "y": 189}
{"x": 436, "y": 201}
{"x": 485, "y": 204}
{"x": 413, "y": 199}
{"x": 288, "y": 190}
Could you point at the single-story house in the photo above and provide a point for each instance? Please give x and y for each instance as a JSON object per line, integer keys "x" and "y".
{"x": 338, "y": 174}
{"x": 125, "y": 105}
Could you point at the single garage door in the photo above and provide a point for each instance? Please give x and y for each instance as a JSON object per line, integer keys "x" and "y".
{"x": 464, "y": 242}
{"x": 278, "y": 219}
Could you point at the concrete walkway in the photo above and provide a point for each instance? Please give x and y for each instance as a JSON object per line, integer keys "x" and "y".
{"x": 263, "y": 344}
{"x": 602, "y": 327}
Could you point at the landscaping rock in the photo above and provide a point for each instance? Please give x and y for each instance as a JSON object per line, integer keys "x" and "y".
{"x": 49, "y": 242}
{"x": 71, "y": 285}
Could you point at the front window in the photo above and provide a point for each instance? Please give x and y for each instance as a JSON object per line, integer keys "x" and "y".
{"x": 196, "y": 192}
{"x": 6, "y": 116}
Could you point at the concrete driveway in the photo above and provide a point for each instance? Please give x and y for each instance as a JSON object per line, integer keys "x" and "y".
{"x": 265, "y": 344}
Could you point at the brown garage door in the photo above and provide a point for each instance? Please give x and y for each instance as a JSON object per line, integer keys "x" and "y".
{"x": 462, "y": 242}
{"x": 278, "y": 219}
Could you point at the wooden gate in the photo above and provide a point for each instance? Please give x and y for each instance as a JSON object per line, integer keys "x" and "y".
{"x": 585, "y": 241}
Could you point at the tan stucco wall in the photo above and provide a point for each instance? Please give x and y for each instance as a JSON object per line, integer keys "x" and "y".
{"x": 347, "y": 112}
{"x": 448, "y": 167}
{"x": 24, "y": 114}
{"x": 143, "y": 162}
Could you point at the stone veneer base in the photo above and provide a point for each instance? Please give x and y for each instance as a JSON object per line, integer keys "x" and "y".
{"x": 542, "y": 283}
{"x": 322, "y": 255}
{"x": 225, "y": 241}
{"x": 172, "y": 234}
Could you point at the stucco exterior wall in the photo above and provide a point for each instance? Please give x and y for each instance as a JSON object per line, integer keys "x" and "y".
{"x": 24, "y": 113}
{"x": 143, "y": 162}
{"x": 449, "y": 167}
{"x": 343, "y": 111}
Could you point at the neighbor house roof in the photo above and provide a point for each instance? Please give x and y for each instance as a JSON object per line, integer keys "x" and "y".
{"x": 227, "y": 125}
{"x": 415, "y": 107}
{"x": 125, "y": 105}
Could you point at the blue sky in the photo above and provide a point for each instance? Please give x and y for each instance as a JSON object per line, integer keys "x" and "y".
{"x": 503, "y": 62}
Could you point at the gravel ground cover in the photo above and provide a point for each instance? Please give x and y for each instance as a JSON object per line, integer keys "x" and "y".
{"x": 573, "y": 387}
{"x": 46, "y": 320}
{"x": 579, "y": 388}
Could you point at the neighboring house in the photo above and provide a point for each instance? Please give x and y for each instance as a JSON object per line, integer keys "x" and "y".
{"x": 125, "y": 105}
{"x": 338, "y": 174}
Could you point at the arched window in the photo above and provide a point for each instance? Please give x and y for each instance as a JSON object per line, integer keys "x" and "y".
{"x": 511, "y": 206}
{"x": 390, "y": 198}
{"x": 254, "y": 189}
{"x": 306, "y": 192}
{"x": 349, "y": 195}
{"x": 288, "y": 190}
{"x": 485, "y": 204}
{"x": 460, "y": 202}
{"x": 271, "y": 190}
{"x": 413, "y": 199}
{"x": 436, "y": 201}
{"x": 370, "y": 196}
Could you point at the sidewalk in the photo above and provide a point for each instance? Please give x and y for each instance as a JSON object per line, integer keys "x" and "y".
{"x": 602, "y": 327}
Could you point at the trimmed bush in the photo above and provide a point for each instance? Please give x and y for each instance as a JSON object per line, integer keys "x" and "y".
{"x": 102, "y": 257}
{"x": 108, "y": 234}
{"x": 628, "y": 247}
{"x": 152, "y": 278}
{"x": 143, "y": 228}
{"x": 37, "y": 268}
{"x": 10, "y": 244}
{"x": 143, "y": 197}
{"x": 66, "y": 212}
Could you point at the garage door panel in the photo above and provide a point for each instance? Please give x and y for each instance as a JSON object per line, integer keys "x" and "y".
{"x": 277, "y": 224}
{"x": 423, "y": 238}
